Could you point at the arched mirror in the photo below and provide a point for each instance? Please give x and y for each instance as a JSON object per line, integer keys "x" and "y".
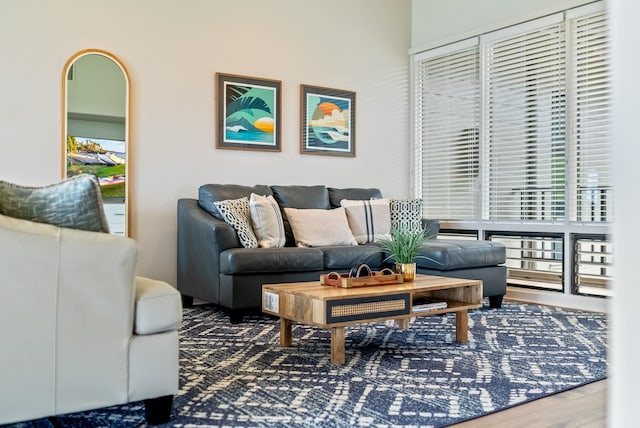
{"x": 95, "y": 94}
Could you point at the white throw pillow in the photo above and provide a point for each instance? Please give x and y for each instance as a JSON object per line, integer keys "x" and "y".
{"x": 317, "y": 228}
{"x": 236, "y": 213}
{"x": 369, "y": 220}
{"x": 267, "y": 221}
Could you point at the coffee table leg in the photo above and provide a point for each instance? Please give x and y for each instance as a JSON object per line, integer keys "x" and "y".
{"x": 337, "y": 345}
{"x": 285, "y": 332}
{"x": 403, "y": 323}
{"x": 462, "y": 328}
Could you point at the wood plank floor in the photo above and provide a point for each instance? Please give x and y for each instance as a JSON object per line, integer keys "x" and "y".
{"x": 580, "y": 407}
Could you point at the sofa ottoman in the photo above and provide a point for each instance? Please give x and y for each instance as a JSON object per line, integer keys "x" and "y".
{"x": 469, "y": 259}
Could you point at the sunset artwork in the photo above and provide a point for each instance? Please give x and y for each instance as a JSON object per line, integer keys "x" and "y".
{"x": 248, "y": 116}
{"x": 328, "y": 118}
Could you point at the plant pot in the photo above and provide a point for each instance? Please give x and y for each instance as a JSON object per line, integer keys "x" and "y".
{"x": 408, "y": 271}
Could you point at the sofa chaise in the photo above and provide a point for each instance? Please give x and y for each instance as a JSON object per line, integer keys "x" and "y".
{"x": 214, "y": 266}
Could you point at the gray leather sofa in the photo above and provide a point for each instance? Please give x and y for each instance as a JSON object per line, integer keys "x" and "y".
{"x": 213, "y": 265}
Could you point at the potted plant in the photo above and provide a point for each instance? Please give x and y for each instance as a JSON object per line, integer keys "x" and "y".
{"x": 404, "y": 248}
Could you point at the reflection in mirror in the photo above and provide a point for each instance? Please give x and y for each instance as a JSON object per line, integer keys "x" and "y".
{"x": 96, "y": 129}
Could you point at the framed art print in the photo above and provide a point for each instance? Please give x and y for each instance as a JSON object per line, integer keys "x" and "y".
{"x": 248, "y": 113}
{"x": 327, "y": 121}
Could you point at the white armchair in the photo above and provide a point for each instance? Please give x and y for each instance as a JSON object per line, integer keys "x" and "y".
{"x": 78, "y": 329}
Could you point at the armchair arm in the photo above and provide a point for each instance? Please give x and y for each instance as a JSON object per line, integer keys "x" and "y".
{"x": 201, "y": 239}
{"x": 158, "y": 307}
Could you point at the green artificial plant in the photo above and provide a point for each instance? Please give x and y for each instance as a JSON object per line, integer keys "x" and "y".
{"x": 404, "y": 245}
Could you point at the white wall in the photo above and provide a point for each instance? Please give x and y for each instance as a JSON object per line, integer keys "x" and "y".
{"x": 96, "y": 98}
{"x": 98, "y": 87}
{"x": 624, "y": 393}
{"x": 172, "y": 50}
{"x": 438, "y": 22}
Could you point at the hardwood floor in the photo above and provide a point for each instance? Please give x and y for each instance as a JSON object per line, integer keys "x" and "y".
{"x": 580, "y": 407}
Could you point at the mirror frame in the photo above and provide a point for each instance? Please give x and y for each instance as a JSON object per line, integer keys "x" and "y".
{"x": 127, "y": 126}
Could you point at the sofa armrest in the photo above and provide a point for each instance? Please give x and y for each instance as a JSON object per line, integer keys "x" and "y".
{"x": 157, "y": 307}
{"x": 201, "y": 239}
{"x": 431, "y": 227}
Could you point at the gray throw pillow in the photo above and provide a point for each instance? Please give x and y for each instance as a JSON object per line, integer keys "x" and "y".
{"x": 74, "y": 203}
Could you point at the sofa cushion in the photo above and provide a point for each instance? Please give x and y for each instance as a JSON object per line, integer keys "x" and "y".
{"x": 264, "y": 260}
{"x": 316, "y": 228}
{"x": 236, "y": 213}
{"x": 353, "y": 193}
{"x": 266, "y": 220}
{"x": 74, "y": 203}
{"x": 342, "y": 258}
{"x": 302, "y": 197}
{"x": 449, "y": 254}
{"x": 406, "y": 214}
{"x": 369, "y": 220}
{"x": 209, "y": 193}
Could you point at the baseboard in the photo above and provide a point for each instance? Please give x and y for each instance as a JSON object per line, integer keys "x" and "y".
{"x": 586, "y": 303}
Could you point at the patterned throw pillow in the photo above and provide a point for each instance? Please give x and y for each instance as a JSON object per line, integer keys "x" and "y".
{"x": 236, "y": 213}
{"x": 369, "y": 220}
{"x": 74, "y": 203}
{"x": 406, "y": 214}
{"x": 266, "y": 220}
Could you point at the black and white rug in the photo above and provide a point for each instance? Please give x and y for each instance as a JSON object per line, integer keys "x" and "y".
{"x": 238, "y": 375}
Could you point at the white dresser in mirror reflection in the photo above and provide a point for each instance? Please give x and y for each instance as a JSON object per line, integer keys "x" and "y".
{"x": 115, "y": 217}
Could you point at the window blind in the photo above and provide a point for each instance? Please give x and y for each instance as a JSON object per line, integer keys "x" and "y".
{"x": 447, "y": 109}
{"x": 525, "y": 123}
{"x": 591, "y": 154}
{"x": 515, "y": 125}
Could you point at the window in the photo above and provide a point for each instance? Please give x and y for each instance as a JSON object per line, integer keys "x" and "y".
{"x": 593, "y": 263}
{"x": 533, "y": 261}
{"x": 525, "y": 105}
{"x": 592, "y": 176}
{"x": 448, "y": 118}
{"x": 512, "y": 134}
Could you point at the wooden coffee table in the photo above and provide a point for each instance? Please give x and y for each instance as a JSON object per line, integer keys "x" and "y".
{"x": 336, "y": 308}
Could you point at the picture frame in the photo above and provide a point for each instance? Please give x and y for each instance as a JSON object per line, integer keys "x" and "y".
{"x": 248, "y": 113}
{"x": 327, "y": 121}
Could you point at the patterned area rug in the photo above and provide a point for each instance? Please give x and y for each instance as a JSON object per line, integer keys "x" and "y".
{"x": 237, "y": 375}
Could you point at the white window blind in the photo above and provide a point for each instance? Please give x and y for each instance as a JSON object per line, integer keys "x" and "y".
{"x": 516, "y": 125}
{"x": 591, "y": 85}
{"x": 525, "y": 122}
{"x": 447, "y": 109}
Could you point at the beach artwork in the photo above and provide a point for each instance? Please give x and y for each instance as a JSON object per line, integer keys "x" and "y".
{"x": 327, "y": 121}
{"x": 248, "y": 113}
